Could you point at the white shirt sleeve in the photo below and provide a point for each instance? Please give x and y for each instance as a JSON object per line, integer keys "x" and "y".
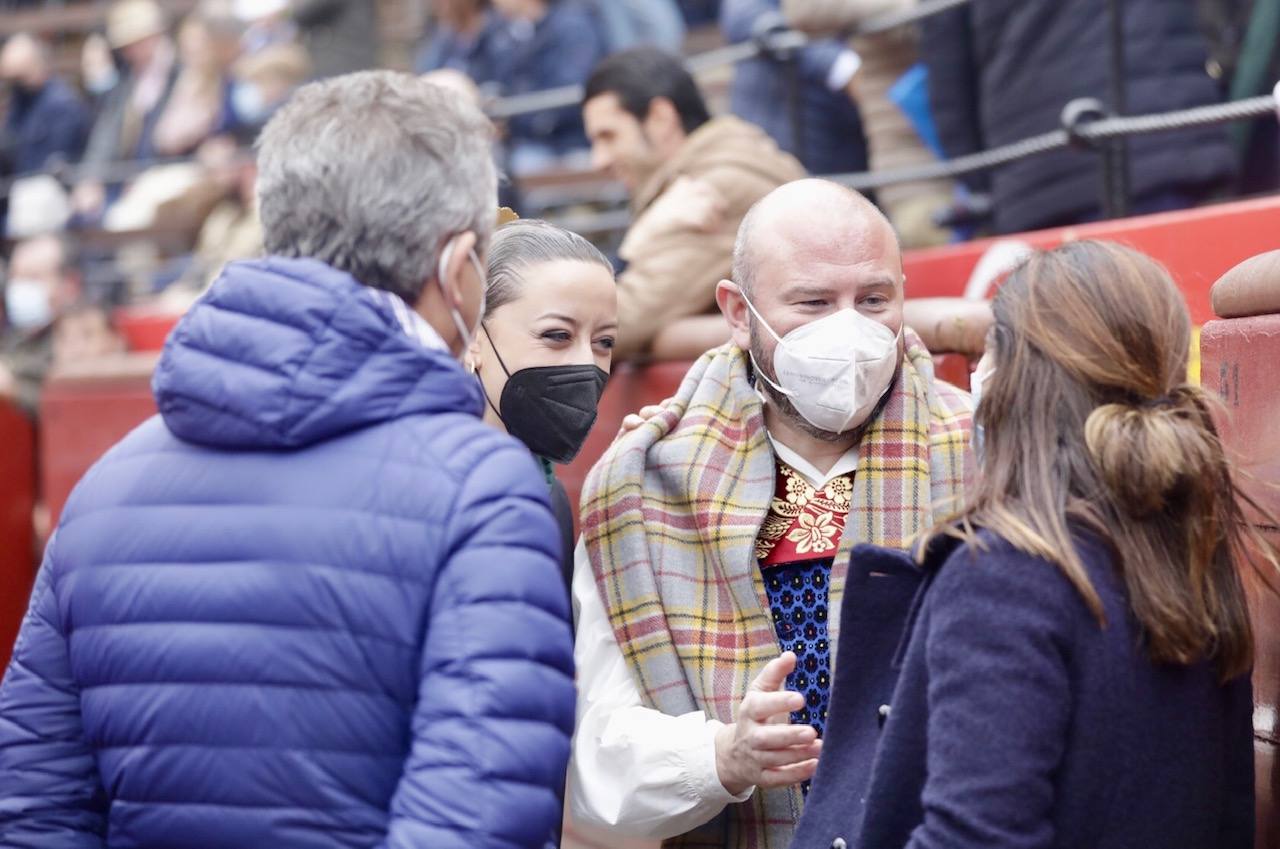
{"x": 635, "y": 771}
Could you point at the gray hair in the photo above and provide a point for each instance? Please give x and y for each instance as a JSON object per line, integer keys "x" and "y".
{"x": 370, "y": 172}
{"x": 523, "y": 244}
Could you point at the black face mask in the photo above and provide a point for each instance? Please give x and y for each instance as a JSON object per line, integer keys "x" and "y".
{"x": 550, "y": 408}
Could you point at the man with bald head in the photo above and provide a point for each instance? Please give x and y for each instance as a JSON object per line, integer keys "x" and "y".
{"x": 717, "y": 535}
{"x": 47, "y": 121}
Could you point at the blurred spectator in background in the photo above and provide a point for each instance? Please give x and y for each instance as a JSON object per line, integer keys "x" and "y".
{"x": 699, "y": 12}
{"x": 467, "y": 36}
{"x": 1002, "y": 70}
{"x": 48, "y": 122}
{"x": 637, "y": 23}
{"x": 1244, "y": 59}
{"x": 200, "y": 107}
{"x": 553, "y": 43}
{"x": 125, "y": 127}
{"x": 267, "y": 23}
{"x": 231, "y": 230}
{"x": 221, "y": 203}
{"x": 83, "y": 333}
{"x": 341, "y": 36}
{"x": 43, "y": 282}
{"x": 263, "y": 82}
{"x": 893, "y": 140}
{"x": 798, "y": 97}
{"x": 691, "y": 178}
{"x": 99, "y": 68}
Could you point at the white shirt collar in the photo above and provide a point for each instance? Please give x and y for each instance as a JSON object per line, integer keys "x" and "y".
{"x": 847, "y": 464}
{"x": 413, "y": 325}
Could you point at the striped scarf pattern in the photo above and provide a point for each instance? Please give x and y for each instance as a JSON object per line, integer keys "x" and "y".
{"x": 670, "y": 519}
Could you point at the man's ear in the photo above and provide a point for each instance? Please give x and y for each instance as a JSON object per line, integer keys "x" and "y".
{"x": 473, "y": 359}
{"x": 663, "y": 120}
{"x": 734, "y": 308}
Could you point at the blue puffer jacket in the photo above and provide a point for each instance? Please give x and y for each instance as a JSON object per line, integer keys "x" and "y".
{"x": 315, "y": 603}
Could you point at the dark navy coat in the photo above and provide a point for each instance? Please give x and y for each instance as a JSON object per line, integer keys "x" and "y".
{"x": 559, "y": 50}
{"x": 1002, "y": 70}
{"x": 790, "y": 100}
{"x": 315, "y": 603}
{"x": 44, "y": 127}
{"x": 1019, "y": 722}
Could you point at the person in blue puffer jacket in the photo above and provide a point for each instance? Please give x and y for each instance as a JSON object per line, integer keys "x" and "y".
{"x": 315, "y": 602}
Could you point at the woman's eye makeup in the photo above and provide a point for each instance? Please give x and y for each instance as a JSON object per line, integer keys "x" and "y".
{"x": 606, "y": 343}
{"x": 556, "y": 336}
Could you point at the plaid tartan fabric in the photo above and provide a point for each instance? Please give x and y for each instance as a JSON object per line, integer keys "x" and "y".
{"x": 670, "y": 518}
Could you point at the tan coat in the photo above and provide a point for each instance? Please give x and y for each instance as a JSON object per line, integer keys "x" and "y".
{"x": 673, "y": 268}
{"x": 891, "y": 140}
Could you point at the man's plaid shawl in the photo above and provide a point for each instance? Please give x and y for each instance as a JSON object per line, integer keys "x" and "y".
{"x": 670, "y": 518}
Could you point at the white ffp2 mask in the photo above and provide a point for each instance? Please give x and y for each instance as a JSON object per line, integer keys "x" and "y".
{"x": 27, "y": 304}
{"x": 834, "y": 370}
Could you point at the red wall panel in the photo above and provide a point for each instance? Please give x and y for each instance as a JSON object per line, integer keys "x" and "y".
{"x": 17, "y": 537}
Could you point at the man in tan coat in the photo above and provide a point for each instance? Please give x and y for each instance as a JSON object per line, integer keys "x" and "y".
{"x": 891, "y": 140}
{"x": 691, "y": 178}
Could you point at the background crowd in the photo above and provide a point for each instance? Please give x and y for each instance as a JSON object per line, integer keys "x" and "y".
{"x": 128, "y": 128}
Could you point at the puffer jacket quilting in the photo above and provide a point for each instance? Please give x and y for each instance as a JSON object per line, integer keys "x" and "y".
{"x": 314, "y": 603}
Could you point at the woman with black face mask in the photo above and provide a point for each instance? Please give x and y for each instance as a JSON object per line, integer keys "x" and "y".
{"x": 546, "y": 345}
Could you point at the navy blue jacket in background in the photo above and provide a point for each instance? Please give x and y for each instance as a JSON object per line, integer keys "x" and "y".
{"x": 1019, "y": 722}
{"x": 315, "y": 603}
{"x": 559, "y": 50}
{"x": 782, "y": 97}
{"x": 49, "y": 125}
{"x": 1002, "y": 70}
{"x": 479, "y": 57}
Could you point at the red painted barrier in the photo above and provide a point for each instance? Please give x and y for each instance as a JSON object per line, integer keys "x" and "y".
{"x": 17, "y": 536}
{"x": 145, "y": 328}
{"x": 1198, "y": 246}
{"x": 1239, "y": 362}
{"x": 83, "y": 413}
{"x": 630, "y": 388}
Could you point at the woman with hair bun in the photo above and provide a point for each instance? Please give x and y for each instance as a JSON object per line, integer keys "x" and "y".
{"x": 546, "y": 346}
{"x": 1077, "y": 668}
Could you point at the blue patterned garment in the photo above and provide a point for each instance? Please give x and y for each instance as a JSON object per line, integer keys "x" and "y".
{"x": 798, "y": 601}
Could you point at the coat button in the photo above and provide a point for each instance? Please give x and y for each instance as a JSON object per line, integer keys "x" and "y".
{"x": 839, "y": 843}
{"x": 884, "y": 714}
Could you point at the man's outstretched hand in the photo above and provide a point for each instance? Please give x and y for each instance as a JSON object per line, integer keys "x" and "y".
{"x": 763, "y": 748}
